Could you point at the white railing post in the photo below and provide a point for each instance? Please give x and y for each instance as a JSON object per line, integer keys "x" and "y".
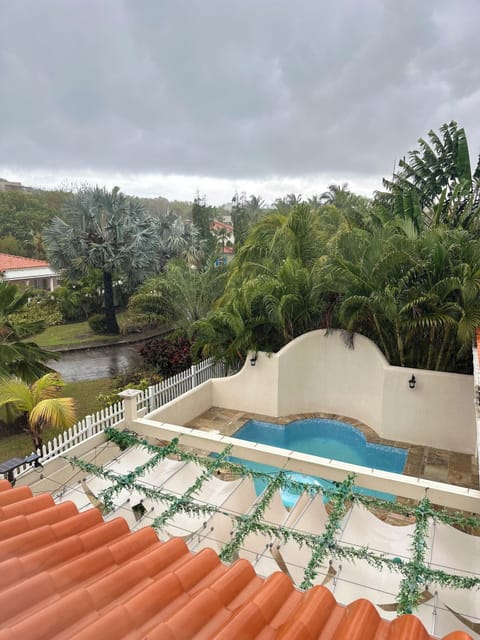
{"x": 193, "y": 373}
{"x": 88, "y": 422}
{"x": 129, "y": 397}
{"x": 151, "y": 398}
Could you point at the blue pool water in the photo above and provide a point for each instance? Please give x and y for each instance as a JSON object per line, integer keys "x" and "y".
{"x": 325, "y": 438}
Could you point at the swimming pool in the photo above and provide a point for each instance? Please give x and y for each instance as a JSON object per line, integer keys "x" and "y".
{"x": 321, "y": 437}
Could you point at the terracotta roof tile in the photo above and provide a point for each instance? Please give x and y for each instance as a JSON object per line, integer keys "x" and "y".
{"x": 8, "y": 261}
{"x": 72, "y": 575}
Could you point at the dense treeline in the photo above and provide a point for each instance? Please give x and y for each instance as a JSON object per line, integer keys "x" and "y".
{"x": 402, "y": 269}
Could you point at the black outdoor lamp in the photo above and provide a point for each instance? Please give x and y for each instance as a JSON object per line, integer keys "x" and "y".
{"x": 253, "y": 359}
{"x": 412, "y": 382}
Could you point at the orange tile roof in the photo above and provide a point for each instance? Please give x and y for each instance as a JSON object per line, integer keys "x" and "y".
{"x": 66, "y": 574}
{"x": 8, "y": 261}
{"x": 216, "y": 224}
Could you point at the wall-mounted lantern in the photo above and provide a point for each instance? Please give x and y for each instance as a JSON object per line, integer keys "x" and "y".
{"x": 253, "y": 359}
{"x": 412, "y": 382}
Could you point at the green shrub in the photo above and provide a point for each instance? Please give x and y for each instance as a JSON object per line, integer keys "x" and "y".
{"x": 132, "y": 380}
{"x": 40, "y": 308}
{"x": 132, "y": 324}
{"x": 79, "y": 299}
{"x": 98, "y": 323}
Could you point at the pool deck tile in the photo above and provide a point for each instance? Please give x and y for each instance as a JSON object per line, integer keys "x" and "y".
{"x": 426, "y": 462}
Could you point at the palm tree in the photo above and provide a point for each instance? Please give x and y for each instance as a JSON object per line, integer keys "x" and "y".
{"x": 38, "y": 403}
{"x": 176, "y": 238}
{"x": 271, "y": 295}
{"x": 436, "y": 184}
{"x": 416, "y": 296}
{"x": 285, "y": 204}
{"x": 18, "y": 357}
{"x": 336, "y": 195}
{"x": 278, "y": 236}
{"x": 181, "y": 294}
{"x": 107, "y": 231}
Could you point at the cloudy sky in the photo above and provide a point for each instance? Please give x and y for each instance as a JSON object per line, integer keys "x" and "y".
{"x": 164, "y": 97}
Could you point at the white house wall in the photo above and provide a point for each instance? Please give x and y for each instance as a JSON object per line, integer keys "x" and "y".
{"x": 253, "y": 389}
{"x": 439, "y": 412}
{"x": 320, "y": 373}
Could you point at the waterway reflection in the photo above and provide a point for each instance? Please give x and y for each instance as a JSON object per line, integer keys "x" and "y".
{"x": 103, "y": 362}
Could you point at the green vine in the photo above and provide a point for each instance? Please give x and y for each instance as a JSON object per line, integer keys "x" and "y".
{"x": 180, "y": 504}
{"x": 250, "y": 523}
{"x": 416, "y": 575}
{"x": 326, "y": 543}
{"x": 410, "y": 588}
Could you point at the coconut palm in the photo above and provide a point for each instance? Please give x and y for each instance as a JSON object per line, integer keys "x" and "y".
{"x": 38, "y": 403}
{"x": 107, "y": 231}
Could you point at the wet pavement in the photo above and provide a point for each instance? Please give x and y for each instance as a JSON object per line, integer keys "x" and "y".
{"x": 97, "y": 362}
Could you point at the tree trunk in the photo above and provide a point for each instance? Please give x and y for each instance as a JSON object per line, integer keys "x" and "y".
{"x": 110, "y": 317}
{"x": 37, "y": 439}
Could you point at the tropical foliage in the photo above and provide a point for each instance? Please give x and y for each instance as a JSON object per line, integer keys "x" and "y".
{"x": 436, "y": 185}
{"x": 168, "y": 356}
{"x": 19, "y": 356}
{"x": 38, "y": 403}
{"x": 179, "y": 296}
{"x": 23, "y": 216}
{"x": 403, "y": 269}
{"x": 107, "y": 231}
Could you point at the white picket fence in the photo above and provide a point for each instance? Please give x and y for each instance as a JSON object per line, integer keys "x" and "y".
{"x": 152, "y": 398}
{"x": 158, "y": 395}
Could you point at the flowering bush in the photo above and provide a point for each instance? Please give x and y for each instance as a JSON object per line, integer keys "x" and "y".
{"x": 168, "y": 355}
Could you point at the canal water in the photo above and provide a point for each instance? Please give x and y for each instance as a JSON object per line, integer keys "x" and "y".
{"x": 101, "y": 362}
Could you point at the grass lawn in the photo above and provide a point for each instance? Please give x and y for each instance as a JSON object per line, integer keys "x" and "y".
{"x": 75, "y": 333}
{"x": 85, "y": 394}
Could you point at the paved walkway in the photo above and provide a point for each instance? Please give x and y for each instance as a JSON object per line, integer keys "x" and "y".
{"x": 425, "y": 462}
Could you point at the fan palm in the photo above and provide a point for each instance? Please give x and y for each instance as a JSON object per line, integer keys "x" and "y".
{"x": 181, "y": 294}
{"x": 107, "y": 231}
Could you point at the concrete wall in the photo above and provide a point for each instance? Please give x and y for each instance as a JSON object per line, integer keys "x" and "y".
{"x": 187, "y": 406}
{"x": 439, "y": 412}
{"x": 253, "y": 389}
{"x": 319, "y": 372}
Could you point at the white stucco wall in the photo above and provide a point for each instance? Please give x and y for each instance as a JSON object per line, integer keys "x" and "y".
{"x": 439, "y": 411}
{"x": 319, "y": 372}
{"x": 253, "y": 389}
{"x": 187, "y": 406}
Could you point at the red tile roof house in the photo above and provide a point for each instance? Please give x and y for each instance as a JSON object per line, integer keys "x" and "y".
{"x": 226, "y": 250}
{"x": 27, "y": 271}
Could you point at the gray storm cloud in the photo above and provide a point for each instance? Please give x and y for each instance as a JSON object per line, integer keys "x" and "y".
{"x": 232, "y": 88}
